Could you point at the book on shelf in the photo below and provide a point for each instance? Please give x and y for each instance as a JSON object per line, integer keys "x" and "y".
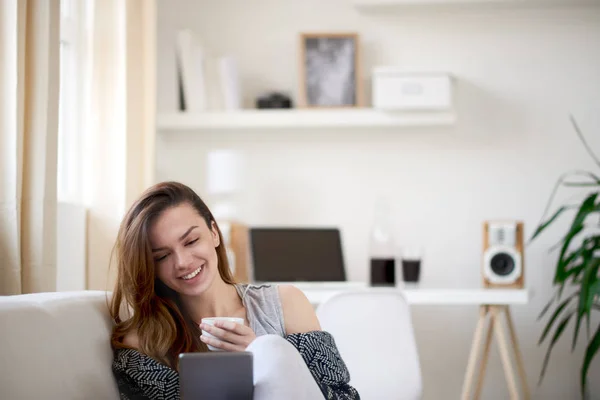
{"x": 206, "y": 82}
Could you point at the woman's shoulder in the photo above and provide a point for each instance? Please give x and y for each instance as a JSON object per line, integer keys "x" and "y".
{"x": 291, "y": 294}
{"x": 295, "y": 311}
{"x": 282, "y": 291}
{"x": 298, "y": 313}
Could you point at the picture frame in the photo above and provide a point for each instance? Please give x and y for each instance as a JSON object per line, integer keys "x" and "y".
{"x": 330, "y": 70}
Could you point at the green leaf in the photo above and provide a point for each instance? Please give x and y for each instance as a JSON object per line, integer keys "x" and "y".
{"x": 562, "y": 263}
{"x": 561, "y": 243}
{"x": 547, "y": 306}
{"x": 590, "y": 353}
{"x": 567, "y": 236}
{"x": 588, "y": 287}
{"x": 560, "y": 290}
{"x": 574, "y": 273}
{"x": 582, "y": 138}
{"x": 582, "y": 184}
{"x": 576, "y": 333}
{"x": 557, "y": 185}
{"x": 543, "y": 226}
{"x": 594, "y": 291}
{"x": 587, "y": 206}
{"x": 586, "y": 252}
{"x": 554, "y": 316}
{"x": 559, "y": 330}
{"x": 566, "y": 272}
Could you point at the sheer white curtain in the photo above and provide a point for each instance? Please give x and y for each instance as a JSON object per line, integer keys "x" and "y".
{"x": 29, "y": 88}
{"x": 119, "y": 146}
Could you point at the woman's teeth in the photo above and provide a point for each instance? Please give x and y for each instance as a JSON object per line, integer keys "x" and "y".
{"x": 191, "y": 274}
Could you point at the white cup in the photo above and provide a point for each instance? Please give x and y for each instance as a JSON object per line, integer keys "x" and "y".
{"x": 211, "y": 321}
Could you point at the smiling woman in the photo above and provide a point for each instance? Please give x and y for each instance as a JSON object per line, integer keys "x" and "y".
{"x": 172, "y": 273}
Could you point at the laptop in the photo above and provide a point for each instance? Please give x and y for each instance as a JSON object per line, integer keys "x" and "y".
{"x": 216, "y": 376}
{"x": 307, "y": 257}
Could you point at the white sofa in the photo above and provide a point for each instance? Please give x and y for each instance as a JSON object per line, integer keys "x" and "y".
{"x": 56, "y": 346}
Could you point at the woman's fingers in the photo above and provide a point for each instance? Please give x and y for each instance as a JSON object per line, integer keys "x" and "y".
{"x": 231, "y": 326}
{"x": 220, "y": 344}
{"x": 220, "y": 333}
{"x": 230, "y": 332}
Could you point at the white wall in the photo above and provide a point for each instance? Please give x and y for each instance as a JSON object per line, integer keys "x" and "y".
{"x": 520, "y": 73}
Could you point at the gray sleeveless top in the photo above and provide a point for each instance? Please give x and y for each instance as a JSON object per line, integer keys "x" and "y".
{"x": 263, "y": 308}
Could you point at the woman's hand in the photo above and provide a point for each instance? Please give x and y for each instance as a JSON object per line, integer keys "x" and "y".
{"x": 228, "y": 335}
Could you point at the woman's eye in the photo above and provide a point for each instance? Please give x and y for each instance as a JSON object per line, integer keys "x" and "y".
{"x": 159, "y": 259}
{"x": 191, "y": 242}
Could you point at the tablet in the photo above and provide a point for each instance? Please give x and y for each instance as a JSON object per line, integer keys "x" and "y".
{"x": 216, "y": 375}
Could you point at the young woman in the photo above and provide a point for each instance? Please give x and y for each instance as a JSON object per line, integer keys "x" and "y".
{"x": 172, "y": 272}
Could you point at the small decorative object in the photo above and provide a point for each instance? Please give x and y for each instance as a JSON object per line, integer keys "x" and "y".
{"x": 329, "y": 70}
{"x": 577, "y": 266}
{"x": 397, "y": 89}
{"x": 274, "y": 100}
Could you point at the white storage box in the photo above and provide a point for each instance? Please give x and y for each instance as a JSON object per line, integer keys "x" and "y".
{"x": 394, "y": 89}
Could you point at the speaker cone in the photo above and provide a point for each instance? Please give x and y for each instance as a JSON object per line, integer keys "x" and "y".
{"x": 502, "y": 264}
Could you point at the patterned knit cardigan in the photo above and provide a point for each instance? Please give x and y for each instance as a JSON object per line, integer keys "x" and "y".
{"x": 141, "y": 377}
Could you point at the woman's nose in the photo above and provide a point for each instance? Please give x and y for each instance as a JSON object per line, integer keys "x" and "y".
{"x": 184, "y": 259}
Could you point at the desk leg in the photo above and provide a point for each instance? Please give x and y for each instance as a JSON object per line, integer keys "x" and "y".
{"x": 504, "y": 347}
{"x": 518, "y": 356}
{"x": 484, "y": 359}
{"x": 504, "y": 352}
{"x": 468, "y": 382}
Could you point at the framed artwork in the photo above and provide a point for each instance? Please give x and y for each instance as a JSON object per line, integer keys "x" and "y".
{"x": 329, "y": 70}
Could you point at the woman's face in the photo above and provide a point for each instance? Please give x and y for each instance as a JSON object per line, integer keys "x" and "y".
{"x": 184, "y": 250}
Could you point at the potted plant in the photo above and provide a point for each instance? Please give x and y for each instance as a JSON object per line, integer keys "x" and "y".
{"x": 577, "y": 266}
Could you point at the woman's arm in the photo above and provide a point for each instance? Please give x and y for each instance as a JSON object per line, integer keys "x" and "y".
{"x": 141, "y": 377}
{"x": 303, "y": 331}
{"x": 298, "y": 314}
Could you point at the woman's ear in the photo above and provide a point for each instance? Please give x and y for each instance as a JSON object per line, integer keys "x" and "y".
{"x": 215, "y": 234}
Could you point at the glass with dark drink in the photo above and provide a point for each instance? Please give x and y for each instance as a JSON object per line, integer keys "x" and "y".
{"x": 411, "y": 270}
{"x": 411, "y": 264}
{"x": 383, "y": 272}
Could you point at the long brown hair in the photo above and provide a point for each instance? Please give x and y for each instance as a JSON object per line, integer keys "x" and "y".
{"x": 164, "y": 328}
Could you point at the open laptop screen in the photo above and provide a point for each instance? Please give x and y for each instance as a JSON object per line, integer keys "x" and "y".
{"x": 297, "y": 255}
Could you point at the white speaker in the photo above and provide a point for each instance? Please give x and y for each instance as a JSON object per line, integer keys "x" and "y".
{"x": 503, "y": 261}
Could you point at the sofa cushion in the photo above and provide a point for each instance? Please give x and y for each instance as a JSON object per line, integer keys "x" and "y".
{"x": 56, "y": 346}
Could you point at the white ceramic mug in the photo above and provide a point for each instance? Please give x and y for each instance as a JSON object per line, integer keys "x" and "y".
{"x": 211, "y": 321}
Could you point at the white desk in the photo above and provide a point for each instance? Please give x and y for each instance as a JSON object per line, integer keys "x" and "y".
{"x": 491, "y": 302}
{"x": 431, "y": 296}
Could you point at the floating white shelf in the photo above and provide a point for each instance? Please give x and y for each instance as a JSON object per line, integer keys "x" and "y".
{"x": 375, "y": 4}
{"x": 301, "y": 118}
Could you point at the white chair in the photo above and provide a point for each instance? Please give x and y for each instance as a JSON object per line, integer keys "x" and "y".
{"x": 374, "y": 334}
